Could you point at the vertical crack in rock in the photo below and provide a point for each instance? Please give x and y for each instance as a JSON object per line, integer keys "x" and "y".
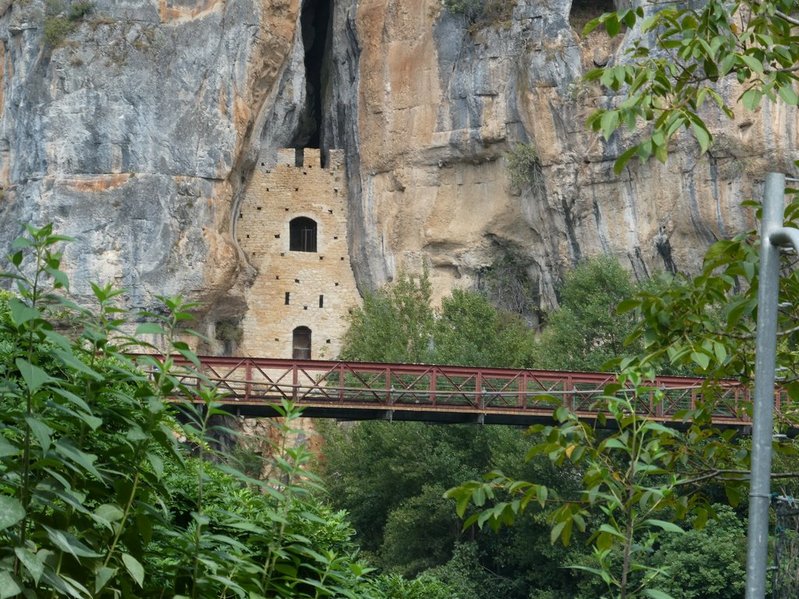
{"x": 663, "y": 247}
{"x": 574, "y": 244}
{"x": 315, "y": 25}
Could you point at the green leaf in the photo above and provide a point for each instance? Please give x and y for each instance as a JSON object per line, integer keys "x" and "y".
{"x": 612, "y": 25}
{"x": 40, "y": 431}
{"x": 69, "y": 543}
{"x": 34, "y": 376}
{"x": 554, "y": 534}
{"x": 702, "y": 136}
{"x": 613, "y": 443}
{"x": 8, "y": 586}
{"x": 104, "y": 574}
{"x": 656, "y": 594}
{"x": 752, "y": 62}
{"x": 109, "y": 512}
{"x": 703, "y": 360}
{"x": 788, "y": 95}
{"x": 69, "y": 359}
{"x": 150, "y": 328}
{"x": 7, "y": 449}
{"x": 77, "y": 456}
{"x": 134, "y": 567}
{"x": 607, "y": 528}
{"x": 609, "y": 123}
{"x": 11, "y": 511}
{"x": 622, "y": 160}
{"x": 21, "y": 312}
{"x": 751, "y": 98}
{"x": 663, "y": 524}
{"x": 33, "y": 564}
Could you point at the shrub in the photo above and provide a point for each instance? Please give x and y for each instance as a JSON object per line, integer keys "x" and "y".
{"x": 59, "y": 21}
{"x": 524, "y": 168}
{"x": 482, "y": 13}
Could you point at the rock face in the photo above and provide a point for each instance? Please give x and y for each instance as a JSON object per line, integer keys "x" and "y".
{"x": 135, "y": 127}
{"x": 443, "y": 104}
{"x": 132, "y": 131}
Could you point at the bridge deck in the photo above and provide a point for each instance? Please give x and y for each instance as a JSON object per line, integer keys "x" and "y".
{"x": 364, "y": 391}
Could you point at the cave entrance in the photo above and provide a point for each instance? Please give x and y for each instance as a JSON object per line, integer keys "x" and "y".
{"x": 315, "y": 23}
{"x": 583, "y": 11}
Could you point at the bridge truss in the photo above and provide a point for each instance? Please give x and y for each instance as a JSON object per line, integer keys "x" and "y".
{"x": 449, "y": 394}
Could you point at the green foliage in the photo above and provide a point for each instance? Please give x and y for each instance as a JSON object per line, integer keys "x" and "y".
{"x": 482, "y": 13}
{"x": 393, "y": 586}
{"x": 706, "y": 563}
{"x": 97, "y": 496}
{"x": 394, "y": 325}
{"x": 671, "y": 71}
{"x": 399, "y": 324}
{"x": 56, "y": 29}
{"x": 524, "y": 169}
{"x": 396, "y": 504}
{"x": 80, "y": 9}
{"x": 470, "y": 331}
{"x": 706, "y": 323}
{"x": 586, "y": 332}
{"x": 61, "y": 20}
{"x": 637, "y": 480}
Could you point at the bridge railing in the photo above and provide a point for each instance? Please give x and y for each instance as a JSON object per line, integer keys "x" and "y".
{"x": 252, "y": 381}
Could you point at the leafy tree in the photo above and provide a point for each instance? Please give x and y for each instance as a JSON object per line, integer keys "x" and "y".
{"x": 395, "y": 324}
{"x": 586, "y": 332}
{"x": 470, "y": 331}
{"x": 706, "y": 563}
{"x": 667, "y": 77}
{"x": 673, "y": 69}
{"x": 395, "y": 497}
{"x": 635, "y": 483}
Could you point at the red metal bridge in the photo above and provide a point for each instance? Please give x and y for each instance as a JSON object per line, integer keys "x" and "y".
{"x": 366, "y": 391}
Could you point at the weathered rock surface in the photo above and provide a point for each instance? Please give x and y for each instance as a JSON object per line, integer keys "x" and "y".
{"x": 440, "y": 107}
{"x": 133, "y": 133}
{"x": 137, "y": 132}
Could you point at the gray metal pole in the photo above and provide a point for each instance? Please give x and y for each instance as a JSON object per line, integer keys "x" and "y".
{"x": 765, "y": 358}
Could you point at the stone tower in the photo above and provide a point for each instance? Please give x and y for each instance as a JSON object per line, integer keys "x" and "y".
{"x": 293, "y": 227}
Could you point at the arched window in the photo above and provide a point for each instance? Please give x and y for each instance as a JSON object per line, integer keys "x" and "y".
{"x": 301, "y": 343}
{"x": 302, "y": 234}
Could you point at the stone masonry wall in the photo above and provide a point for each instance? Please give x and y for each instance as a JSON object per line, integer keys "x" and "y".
{"x": 274, "y": 197}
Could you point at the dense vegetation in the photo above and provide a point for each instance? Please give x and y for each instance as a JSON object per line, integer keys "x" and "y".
{"x": 608, "y": 497}
{"x": 107, "y": 490}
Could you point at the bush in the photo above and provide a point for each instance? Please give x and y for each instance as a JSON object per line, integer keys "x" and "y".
{"x": 59, "y": 21}
{"x": 524, "y": 169}
{"x": 482, "y": 13}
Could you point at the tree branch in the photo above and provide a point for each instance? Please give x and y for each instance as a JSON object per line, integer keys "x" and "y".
{"x": 785, "y": 17}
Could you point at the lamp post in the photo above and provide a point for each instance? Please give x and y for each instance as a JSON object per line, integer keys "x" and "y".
{"x": 772, "y": 236}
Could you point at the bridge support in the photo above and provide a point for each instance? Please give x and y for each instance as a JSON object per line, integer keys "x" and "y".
{"x": 772, "y": 236}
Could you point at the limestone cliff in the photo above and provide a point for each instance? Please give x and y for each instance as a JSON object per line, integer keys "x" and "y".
{"x": 136, "y": 125}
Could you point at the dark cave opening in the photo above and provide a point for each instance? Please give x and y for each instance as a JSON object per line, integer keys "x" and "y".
{"x": 315, "y": 22}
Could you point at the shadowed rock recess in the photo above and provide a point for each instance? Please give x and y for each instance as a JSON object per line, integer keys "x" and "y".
{"x": 136, "y": 127}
